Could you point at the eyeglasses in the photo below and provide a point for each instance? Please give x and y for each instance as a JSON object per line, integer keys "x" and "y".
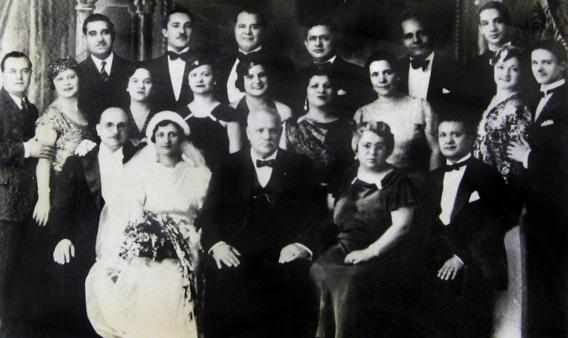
{"x": 121, "y": 126}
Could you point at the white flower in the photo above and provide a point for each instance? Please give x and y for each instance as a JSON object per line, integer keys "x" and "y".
{"x": 84, "y": 147}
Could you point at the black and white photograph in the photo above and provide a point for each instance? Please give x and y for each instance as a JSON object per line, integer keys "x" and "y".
{"x": 283, "y": 168}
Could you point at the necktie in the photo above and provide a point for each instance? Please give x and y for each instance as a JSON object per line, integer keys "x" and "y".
{"x": 185, "y": 56}
{"x": 455, "y": 166}
{"x": 268, "y": 163}
{"x": 415, "y": 64}
{"x": 104, "y": 73}
{"x": 247, "y": 57}
{"x": 25, "y": 104}
{"x": 548, "y": 92}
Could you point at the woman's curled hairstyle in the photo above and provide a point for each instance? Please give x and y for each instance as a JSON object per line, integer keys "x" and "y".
{"x": 380, "y": 129}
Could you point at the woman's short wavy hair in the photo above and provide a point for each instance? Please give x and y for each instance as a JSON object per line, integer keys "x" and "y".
{"x": 245, "y": 65}
{"x": 61, "y": 65}
{"x": 380, "y": 129}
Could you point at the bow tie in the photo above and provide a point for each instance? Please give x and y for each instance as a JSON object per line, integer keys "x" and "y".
{"x": 415, "y": 64}
{"x": 185, "y": 56}
{"x": 455, "y": 166}
{"x": 548, "y": 92}
{"x": 246, "y": 57}
{"x": 267, "y": 163}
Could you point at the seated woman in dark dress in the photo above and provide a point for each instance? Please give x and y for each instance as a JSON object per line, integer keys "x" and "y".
{"x": 140, "y": 108}
{"x": 361, "y": 276}
{"x": 320, "y": 134}
{"x": 214, "y": 127}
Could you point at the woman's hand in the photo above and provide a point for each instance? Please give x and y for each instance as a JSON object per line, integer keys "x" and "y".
{"x": 359, "y": 256}
{"x": 41, "y": 211}
{"x": 518, "y": 151}
{"x": 64, "y": 251}
{"x": 450, "y": 269}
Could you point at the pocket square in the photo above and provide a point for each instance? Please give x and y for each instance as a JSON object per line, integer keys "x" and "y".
{"x": 341, "y": 92}
{"x": 473, "y": 197}
{"x": 547, "y": 123}
{"x": 445, "y": 91}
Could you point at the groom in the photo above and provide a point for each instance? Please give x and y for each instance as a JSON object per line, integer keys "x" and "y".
{"x": 87, "y": 180}
{"x": 258, "y": 223}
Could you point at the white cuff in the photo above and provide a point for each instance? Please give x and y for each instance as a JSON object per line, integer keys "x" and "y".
{"x": 26, "y": 150}
{"x": 306, "y": 248}
{"x": 526, "y": 160}
{"x": 214, "y": 245}
{"x": 458, "y": 257}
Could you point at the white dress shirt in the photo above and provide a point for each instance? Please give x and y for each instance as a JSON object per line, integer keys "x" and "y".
{"x": 544, "y": 100}
{"x": 263, "y": 174}
{"x": 452, "y": 180}
{"x": 233, "y": 93}
{"x": 111, "y": 168}
{"x": 419, "y": 80}
{"x": 176, "y": 68}
{"x": 99, "y": 63}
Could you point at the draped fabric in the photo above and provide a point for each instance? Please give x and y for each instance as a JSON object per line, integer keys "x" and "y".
{"x": 43, "y": 30}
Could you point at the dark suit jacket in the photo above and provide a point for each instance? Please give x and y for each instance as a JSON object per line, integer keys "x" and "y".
{"x": 97, "y": 95}
{"x": 443, "y": 76}
{"x": 282, "y": 68}
{"x": 77, "y": 199}
{"x": 548, "y": 159}
{"x": 353, "y": 89}
{"x": 164, "y": 98}
{"x": 17, "y": 174}
{"x": 227, "y": 210}
{"x": 477, "y": 228}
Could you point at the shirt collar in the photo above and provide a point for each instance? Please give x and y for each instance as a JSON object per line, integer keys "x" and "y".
{"x": 170, "y": 49}
{"x": 257, "y": 49}
{"x": 330, "y": 60}
{"x": 463, "y": 159}
{"x": 376, "y": 180}
{"x": 553, "y": 85}
{"x": 17, "y": 100}
{"x": 98, "y": 62}
{"x": 255, "y": 157}
{"x": 105, "y": 152}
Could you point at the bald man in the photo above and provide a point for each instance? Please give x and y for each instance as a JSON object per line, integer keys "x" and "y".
{"x": 88, "y": 179}
{"x": 258, "y": 224}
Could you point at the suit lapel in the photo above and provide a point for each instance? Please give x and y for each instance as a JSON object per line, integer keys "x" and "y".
{"x": 92, "y": 171}
{"x": 279, "y": 173}
{"x": 464, "y": 191}
{"x": 550, "y": 107}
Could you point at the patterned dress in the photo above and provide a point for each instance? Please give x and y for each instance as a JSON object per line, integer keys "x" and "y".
{"x": 501, "y": 125}
{"x": 69, "y": 133}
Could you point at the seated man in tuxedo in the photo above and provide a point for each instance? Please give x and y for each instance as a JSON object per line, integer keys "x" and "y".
{"x": 352, "y": 85}
{"x": 462, "y": 223}
{"x": 249, "y": 35}
{"x": 545, "y": 156}
{"x": 259, "y": 222}
{"x": 104, "y": 74}
{"x": 169, "y": 71}
{"x": 424, "y": 72}
{"x": 88, "y": 180}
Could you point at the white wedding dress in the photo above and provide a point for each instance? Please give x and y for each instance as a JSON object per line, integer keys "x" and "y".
{"x": 135, "y": 295}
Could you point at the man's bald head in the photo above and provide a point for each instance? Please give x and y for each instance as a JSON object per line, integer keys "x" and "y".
{"x": 263, "y": 131}
{"x": 113, "y": 128}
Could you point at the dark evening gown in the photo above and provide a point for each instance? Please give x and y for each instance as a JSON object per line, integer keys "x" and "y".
{"x": 209, "y": 134}
{"x": 363, "y": 300}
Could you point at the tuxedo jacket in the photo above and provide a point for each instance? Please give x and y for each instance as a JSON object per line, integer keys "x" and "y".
{"x": 77, "y": 200}
{"x": 17, "y": 174}
{"x": 353, "y": 89}
{"x": 164, "y": 97}
{"x": 96, "y": 95}
{"x": 226, "y": 214}
{"x": 443, "y": 77}
{"x": 548, "y": 139}
{"x": 479, "y": 219}
{"x": 282, "y": 68}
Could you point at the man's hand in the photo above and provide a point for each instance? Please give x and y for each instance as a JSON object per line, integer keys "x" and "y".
{"x": 64, "y": 251}
{"x": 518, "y": 151}
{"x": 292, "y": 252}
{"x": 39, "y": 150}
{"x": 358, "y": 256}
{"x": 450, "y": 269}
{"x": 225, "y": 254}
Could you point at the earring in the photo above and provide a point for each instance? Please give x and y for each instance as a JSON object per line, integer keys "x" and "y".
{"x": 306, "y": 104}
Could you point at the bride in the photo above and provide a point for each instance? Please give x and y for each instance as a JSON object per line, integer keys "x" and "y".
{"x": 145, "y": 284}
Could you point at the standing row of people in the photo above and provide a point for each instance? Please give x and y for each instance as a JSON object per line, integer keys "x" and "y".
{"x": 313, "y": 190}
